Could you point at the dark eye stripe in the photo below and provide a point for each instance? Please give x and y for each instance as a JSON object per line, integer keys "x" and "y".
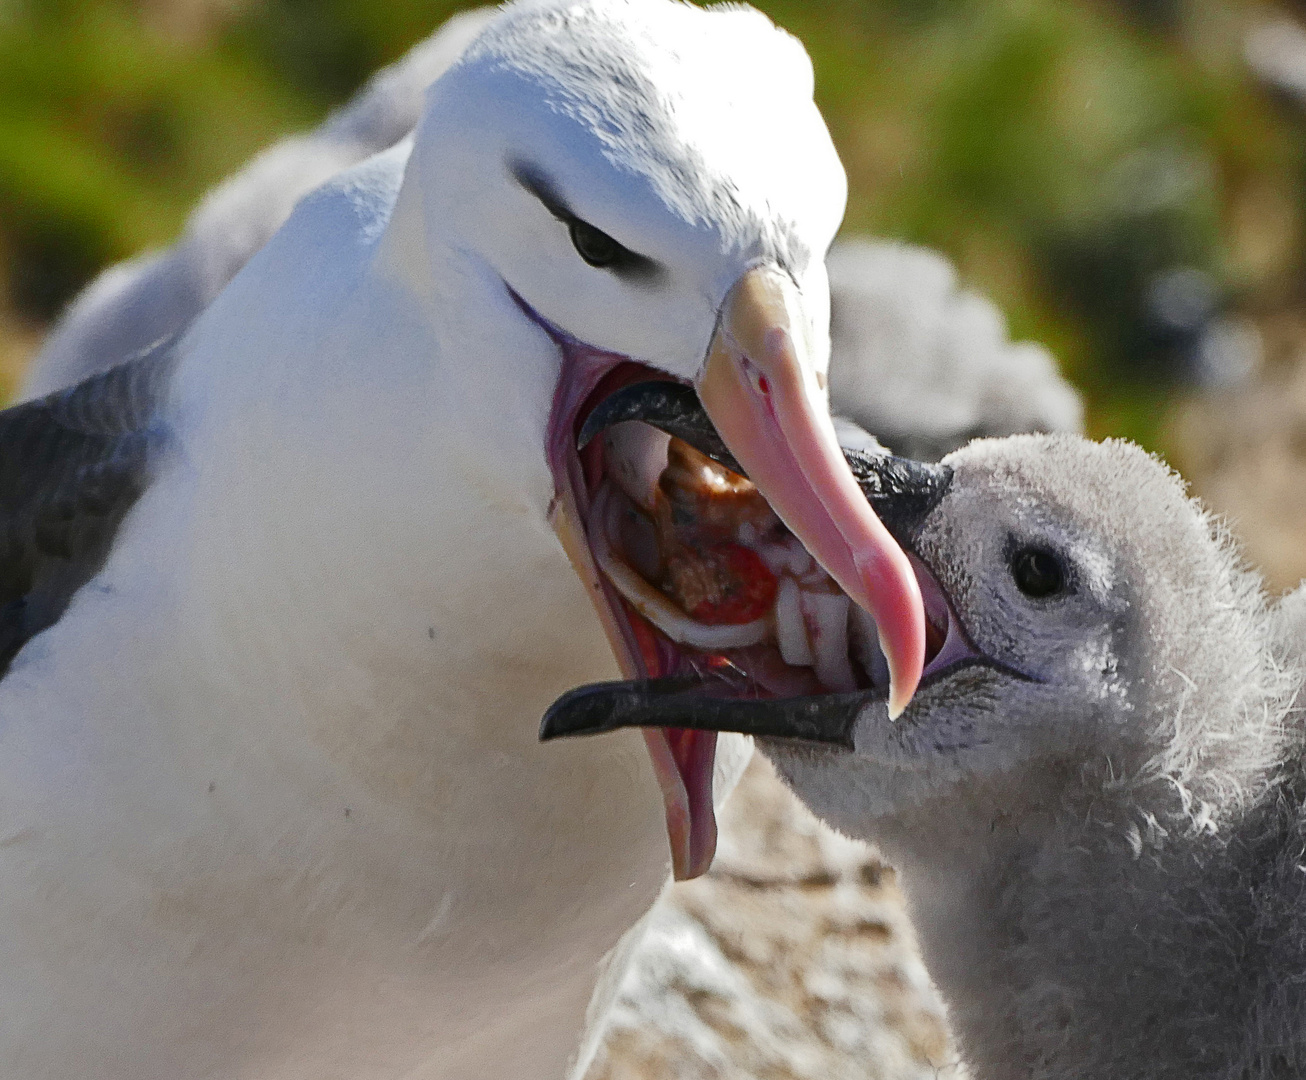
{"x": 596, "y": 247}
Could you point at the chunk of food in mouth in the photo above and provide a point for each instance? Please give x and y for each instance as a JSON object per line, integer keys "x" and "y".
{"x": 722, "y": 590}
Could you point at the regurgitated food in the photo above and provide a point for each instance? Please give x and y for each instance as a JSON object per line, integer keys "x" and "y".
{"x": 696, "y": 551}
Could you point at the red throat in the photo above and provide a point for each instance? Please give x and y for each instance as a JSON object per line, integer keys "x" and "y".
{"x": 683, "y": 761}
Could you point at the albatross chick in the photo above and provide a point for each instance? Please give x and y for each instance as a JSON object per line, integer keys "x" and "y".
{"x": 1097, "y": 799}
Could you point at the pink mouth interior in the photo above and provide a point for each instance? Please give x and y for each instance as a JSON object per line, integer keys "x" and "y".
{"x": 684, "y": 759}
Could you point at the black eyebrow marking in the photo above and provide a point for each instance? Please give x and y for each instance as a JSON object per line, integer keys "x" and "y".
{"x": 630, "y": 264}
{"x": 540, "y": 184}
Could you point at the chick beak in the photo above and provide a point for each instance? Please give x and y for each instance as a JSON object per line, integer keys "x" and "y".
{"x": 759, "y": 387}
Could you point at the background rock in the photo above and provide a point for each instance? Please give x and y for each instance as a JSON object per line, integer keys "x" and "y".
{"x": 791, "y": 960}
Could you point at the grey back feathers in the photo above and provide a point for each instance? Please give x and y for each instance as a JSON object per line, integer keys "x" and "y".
{"x": 1105, "y": 861}
{"x": 71, "y": 465}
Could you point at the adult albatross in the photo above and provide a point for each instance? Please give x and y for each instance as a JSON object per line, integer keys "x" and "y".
{"x": 285, "y": 598}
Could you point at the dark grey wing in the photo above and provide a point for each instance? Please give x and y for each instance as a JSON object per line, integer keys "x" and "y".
{"x": 71, "y": 465}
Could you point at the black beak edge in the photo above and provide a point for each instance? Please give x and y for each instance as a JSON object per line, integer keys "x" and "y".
{"x": 681, "y": 703}
{"x": 902, "y": 492}
{"x": 667, "y": 406}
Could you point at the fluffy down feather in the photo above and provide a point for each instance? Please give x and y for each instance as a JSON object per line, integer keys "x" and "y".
{"x": 1104, "y": 859}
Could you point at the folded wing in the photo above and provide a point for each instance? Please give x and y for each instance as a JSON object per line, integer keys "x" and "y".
{"x": 71, "y": 465}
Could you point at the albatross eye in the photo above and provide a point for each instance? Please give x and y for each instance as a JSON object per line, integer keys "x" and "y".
{"x": 594, "y": 245}
{"x": 1038, "y": 573}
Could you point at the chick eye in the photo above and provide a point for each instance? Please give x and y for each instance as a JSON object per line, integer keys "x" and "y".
{"x": 594, "y": 245}
{"x": 1038, "y": 573}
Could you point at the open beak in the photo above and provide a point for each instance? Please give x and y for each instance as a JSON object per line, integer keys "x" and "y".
{"x": 757, "y": 408}
{"x": 903, "y": 493}
{"x": 759, "y": 387}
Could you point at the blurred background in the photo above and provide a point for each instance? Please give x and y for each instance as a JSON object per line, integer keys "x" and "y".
{"x": 1124, "y": 179}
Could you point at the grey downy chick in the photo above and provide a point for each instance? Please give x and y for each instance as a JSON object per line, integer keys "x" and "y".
{"x": 1100, "y": 834}
{"x": 1095, "y": 799}
{"x": 928, "y": 365}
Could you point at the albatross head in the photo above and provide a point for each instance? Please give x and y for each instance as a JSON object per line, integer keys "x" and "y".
{"x": 651, "y": 186}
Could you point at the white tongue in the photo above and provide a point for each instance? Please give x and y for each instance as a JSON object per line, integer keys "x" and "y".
{"x": 790, "y": 628}
{"x": 636, "y": 457}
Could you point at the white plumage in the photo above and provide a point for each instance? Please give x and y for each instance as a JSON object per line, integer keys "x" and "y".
{"x": 914, "y": 359}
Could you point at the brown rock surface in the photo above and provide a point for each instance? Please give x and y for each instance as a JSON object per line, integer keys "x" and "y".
{"x": 791, "y": 960}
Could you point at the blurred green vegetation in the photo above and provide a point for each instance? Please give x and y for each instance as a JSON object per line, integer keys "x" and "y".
{"x": 1068, "y": 154}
